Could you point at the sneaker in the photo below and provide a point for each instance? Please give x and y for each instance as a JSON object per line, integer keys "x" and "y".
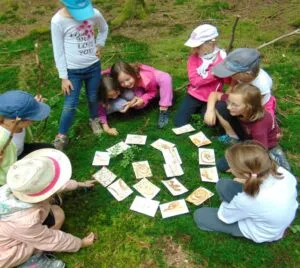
{"x": 95, "y": 126}
{"x": 279, "y": 157}
{"x": 163, "y": 119}
{"x": 60, "y": 142}
{"x": 227, "y": 139}
{"x": 42, "y": 260}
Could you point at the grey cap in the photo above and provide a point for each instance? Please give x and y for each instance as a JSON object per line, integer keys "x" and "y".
{"x": 239, "y": 60}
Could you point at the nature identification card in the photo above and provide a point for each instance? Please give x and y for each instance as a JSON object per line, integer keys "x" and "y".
{"x": 171, "y": 155}
{"x": 119, "y": 189}
{"x": 142, "y": 169}
{"x": 144, "y": 206}
{"x": 207, "y": 157}
{"x": 173, "y": 170}
{"x": 118, "y": 148}
{"x": 104, "y": 176}
{"x": 173, "y": 208}
{"x": 101, "y": 159}
{"x": 209, "y": 174}
{"x": 175, "y": 187}
{"x": 136, "y": 139}
{"x": 161, "y": 144}
{"x": 184, "y": 129}
{"x": 199, "y": 139}
{"x": 199, "y": 196}
{"x": 146, "y": 188}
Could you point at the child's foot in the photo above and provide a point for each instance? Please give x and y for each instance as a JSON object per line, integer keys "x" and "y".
{"x": 163, "y": 119}
{"x": 60, "y": 142}
{"x": 95, "y": 126}
{"x": 227, "y": 139}
{"x": 278, "y": 155}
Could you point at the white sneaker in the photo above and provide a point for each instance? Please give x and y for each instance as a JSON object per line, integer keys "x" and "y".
{"x": 95, "y": 126}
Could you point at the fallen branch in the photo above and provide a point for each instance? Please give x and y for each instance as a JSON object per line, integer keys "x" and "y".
{"x": 40, "y": 68}
{"x": 233, "y": 33}
{"x": 181, "y": 87}
{"x": 297, "y": 31}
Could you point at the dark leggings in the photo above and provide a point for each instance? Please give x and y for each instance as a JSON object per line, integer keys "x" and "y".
{"x": 30, "y": 147}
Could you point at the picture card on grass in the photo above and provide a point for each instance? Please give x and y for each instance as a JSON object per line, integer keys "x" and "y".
{"x": 119, "y": 189}
{"x": 146, "y": 188}
{"x": 209, "y": 174}
{"x": 207, "y": 157}
{"x": 175, "y": 187}
{"x": 136, "y": 139}
{"x": 104, "y": 176}
{"x": 184, "y": 129}
{"x": 173, "y": 208}
{"x": 101, "y": 159}
{"x": 118, "y": 148}
{"x": 199, "y": 196}
{"x": 173, "y": 170}
{"x": 199, "y": 139}
{"x": 161, "y": 144}
{"x": 142, "y": 169}
{"x": 171, "y": 155}
{"x": 144, "y": 206}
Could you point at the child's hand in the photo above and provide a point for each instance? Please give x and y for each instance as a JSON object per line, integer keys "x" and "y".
{"x": 98, "y": 51}
{"x": 210, "y": 118}
{"x": 110, "y": 131}
{"x": 87, "y": 184}
{"x": 239, "y": 180}
{"x": 66, "y": 86}
{"x": 138, "y": 103}
{"x": 88, "y": 240}
{"x": 39, "y": 98}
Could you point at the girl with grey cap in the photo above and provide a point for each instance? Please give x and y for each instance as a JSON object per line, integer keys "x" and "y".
{"x": 18, "y": 110}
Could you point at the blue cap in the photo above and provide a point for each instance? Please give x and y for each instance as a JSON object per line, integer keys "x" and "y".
{"x": 17, "y": 103}
{"x": 237, "y": 61}
{"x": 79, "y": 9}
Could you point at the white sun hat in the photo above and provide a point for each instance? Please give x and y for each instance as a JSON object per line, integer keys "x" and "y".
{"x": 201, "y": 34}
{"x": 39, "y": 175}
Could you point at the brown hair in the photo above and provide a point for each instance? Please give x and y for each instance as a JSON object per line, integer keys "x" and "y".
{"x": 252, "y": 99}
{"x": 252, "y": 162}
{"x": 107, "y": 84}
{"x": 131, "y": 69}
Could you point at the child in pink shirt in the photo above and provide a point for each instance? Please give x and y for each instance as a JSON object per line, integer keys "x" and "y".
{"x": 146, "y": 82}
{"x": 202, "y": 82}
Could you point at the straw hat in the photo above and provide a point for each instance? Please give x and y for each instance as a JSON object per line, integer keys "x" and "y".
{"x": 39, "y": 175}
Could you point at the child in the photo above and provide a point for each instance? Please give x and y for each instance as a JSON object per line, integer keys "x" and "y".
{"x": 76, "y": 57}
{"x": 18, "y": 110}
{"x": 245, "y": 106}
{"x": 261, "y": 208}
{"x": 204, "y": 57}
{"x": 28, "y": 222}
{"x": 145, "y": 82}
{"x": 112, "y": 100}
{"x": 242, "y": 66}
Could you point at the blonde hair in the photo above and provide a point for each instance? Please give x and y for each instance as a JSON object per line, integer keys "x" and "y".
{"x": 252, "y": 162}
{"x": 254, "y": 109}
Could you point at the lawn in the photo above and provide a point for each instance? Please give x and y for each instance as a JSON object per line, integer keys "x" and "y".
{"x": 126, "y": 238}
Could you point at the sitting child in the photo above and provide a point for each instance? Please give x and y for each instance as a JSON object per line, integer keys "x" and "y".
{"x": 259, "y": 207}
{"x": 28, "y": 222}
{"x": 245, "y": 107}
{"x": 242, "y": 66}
{"x": 146, "y": 82}
{"x": 18, "y": 110}
{"x": 205, "y": 55}
{"x": 112, "y": 100}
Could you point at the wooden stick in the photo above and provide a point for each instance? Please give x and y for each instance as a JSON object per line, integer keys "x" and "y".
{"x": 230, "y": 47}
{"x": 297, "y": 31}
{"x": 39, "y": 65}
{"x": 181, "y": 87}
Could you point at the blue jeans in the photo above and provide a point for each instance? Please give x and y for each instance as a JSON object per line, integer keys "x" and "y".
{"x": 91, "y": 76}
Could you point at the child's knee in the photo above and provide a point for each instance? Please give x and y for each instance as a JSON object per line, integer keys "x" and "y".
{"x": 59, "y": 215}
{"x": 200, "y": 218}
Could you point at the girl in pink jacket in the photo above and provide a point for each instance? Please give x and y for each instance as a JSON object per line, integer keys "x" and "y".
{"x": 147, "y": 82}
{"x": 202, "y": 82}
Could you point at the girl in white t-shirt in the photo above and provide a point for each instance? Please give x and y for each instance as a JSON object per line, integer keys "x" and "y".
{"x": 260, "y": 204}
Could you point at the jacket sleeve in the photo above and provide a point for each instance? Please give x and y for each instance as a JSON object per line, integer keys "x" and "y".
{"x": 231, "y": 212}
{"x": 194, "y": 78}
{"x": 150, "y": 92}
{"x": 102, "y": 114}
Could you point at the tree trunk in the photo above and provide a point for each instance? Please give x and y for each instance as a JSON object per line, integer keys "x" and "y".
{"x": 131, "y": 9}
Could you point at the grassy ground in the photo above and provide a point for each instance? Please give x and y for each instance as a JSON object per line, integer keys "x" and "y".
{"x": 125, "y": 238}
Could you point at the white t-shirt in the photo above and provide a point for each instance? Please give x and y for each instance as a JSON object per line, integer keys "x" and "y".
{"x": 18, "y": 139}
{"x": 74, "y": 44}
{"x": 265, "y": 217}
{"x": 264, "y": 83}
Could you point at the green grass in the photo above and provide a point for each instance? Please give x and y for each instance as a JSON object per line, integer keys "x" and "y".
{"x": 125, "y": 238}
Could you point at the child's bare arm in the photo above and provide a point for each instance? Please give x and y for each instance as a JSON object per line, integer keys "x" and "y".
{"x": 210, "y": 114}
